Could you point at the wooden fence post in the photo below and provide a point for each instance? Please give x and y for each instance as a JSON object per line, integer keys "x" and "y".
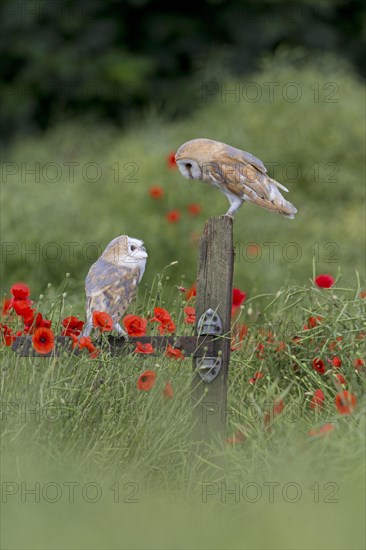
{"x": 214, "y": 291}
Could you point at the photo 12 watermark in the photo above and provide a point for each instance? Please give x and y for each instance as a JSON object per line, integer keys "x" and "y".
{"x": 250, "y": 252}
{"x": 270, "y": 91}
{"x": 70, "y": 492}
{"x": 270, "y": 492}
{"x": 68, "y": 172}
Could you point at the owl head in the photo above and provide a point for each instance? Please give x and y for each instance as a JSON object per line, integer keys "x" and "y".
{"x": 195, "y": 157}
{"x": 125, "y": 250}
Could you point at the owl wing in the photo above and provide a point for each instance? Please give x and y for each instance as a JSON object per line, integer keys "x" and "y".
{"x": 111, "y": 287}
{"x": 247, "y": 158}
{"x": 246, "y": 176}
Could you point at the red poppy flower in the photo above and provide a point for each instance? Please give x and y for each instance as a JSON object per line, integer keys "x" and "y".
{"x": 278, "y": 407}
{"x": 173, "y": 216}
{"x": 7, "y": 334}
{"x": 167, "y": 328}
{"x": 31, "y": 323}
{"x": 358, "y": 363}
{"x": 194, "y": 209}
{"x": 324, "y": 281}
{"x": 345, "y": 402}
{"x": 43, "y": 340}
{"x": 281, "y": 346}
{"x": 191, "y": 292}
{"x": 314, "y": 321}
{"x": 146, "y": 380}
{"x": 20, "y": 291}
{"x": 276, "y": 410}
{"x": 323, "y": 430}
{"x": 146, "y": 349}
{"x": 256, "y": 376}
{"x": 340, "y": 378}
{"x": 336, "y": 362}
{"x": 363, "y": 294}
{"x": 75, "y": 340}
{"x": 7, "y": 305}
{"x": 156, "y": 192}
{"x": 317, "y": 399}
{"x": 239, "y": 332}
{"x": 168, "y": 391}
{"x": 259, "y": 350}
{"x": 191, "y": 315}
{"x": 22, "y": 307}
{"x": 174, "y": 353}
{"x": 170, "y": 160}
{"x": 318, "y": 365}
{"x": 72, "y": 325}
{"x": 40, "y": 322}
{"x": 238, "y": 298}
{"x": 239, "y": 437}
{"x": 86, "y": 343}
{"x": 253, "y": 250}
{"x": 102, "y": 320}
{"x": 135, "y": 325}
{"x": 269, "y": 336}
{"x": 29, "y": 320}
{"x": 267, "y": 421}
{"x": 161, "y": 315}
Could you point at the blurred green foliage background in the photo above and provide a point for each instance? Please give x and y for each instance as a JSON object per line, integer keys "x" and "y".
{"x": 106, "y": 59}
{"x": 97, "y": 95}
{"x": 91, "y": 183}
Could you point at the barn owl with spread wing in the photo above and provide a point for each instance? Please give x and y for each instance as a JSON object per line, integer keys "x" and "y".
{"x": 111, "y": 282}
{"x": 239, "y": 175}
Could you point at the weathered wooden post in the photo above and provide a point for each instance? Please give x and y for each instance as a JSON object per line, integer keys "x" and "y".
{"x": 213, "y": 316}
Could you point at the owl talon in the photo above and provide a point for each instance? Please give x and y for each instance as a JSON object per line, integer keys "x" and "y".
{"x": 120, "y": 331}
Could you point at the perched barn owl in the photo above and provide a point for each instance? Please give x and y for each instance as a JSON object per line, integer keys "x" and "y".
{"x": 112, "y": 280}
{"x": 239, "y": 175}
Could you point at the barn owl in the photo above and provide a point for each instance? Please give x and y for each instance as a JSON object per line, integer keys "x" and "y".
{"x": 239, "y": 175}
{"x": 112, "y": 280}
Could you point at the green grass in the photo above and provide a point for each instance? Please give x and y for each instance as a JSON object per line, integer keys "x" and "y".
{"x": 90, "y": 424}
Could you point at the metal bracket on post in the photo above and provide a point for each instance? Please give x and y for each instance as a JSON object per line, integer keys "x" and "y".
{"x": 209, "y": 324}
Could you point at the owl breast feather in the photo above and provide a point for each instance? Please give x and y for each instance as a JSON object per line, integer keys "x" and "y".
{"x": 104, "y": 275}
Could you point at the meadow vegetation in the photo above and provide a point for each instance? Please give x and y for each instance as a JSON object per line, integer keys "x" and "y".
{"x": 296, "y": 349}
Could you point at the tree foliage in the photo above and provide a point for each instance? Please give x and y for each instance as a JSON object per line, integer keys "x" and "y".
{"x": 105, "y": 59}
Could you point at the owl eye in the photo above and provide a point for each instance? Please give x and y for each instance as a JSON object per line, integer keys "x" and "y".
{"x": 133, "y": 248}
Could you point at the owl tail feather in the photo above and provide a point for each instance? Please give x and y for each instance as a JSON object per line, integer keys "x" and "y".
{"x": 276, "y": 202}
{"x": 284, "y": 207}
{"x": 278, "y": 184}
{"x": 272, "y": 200}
